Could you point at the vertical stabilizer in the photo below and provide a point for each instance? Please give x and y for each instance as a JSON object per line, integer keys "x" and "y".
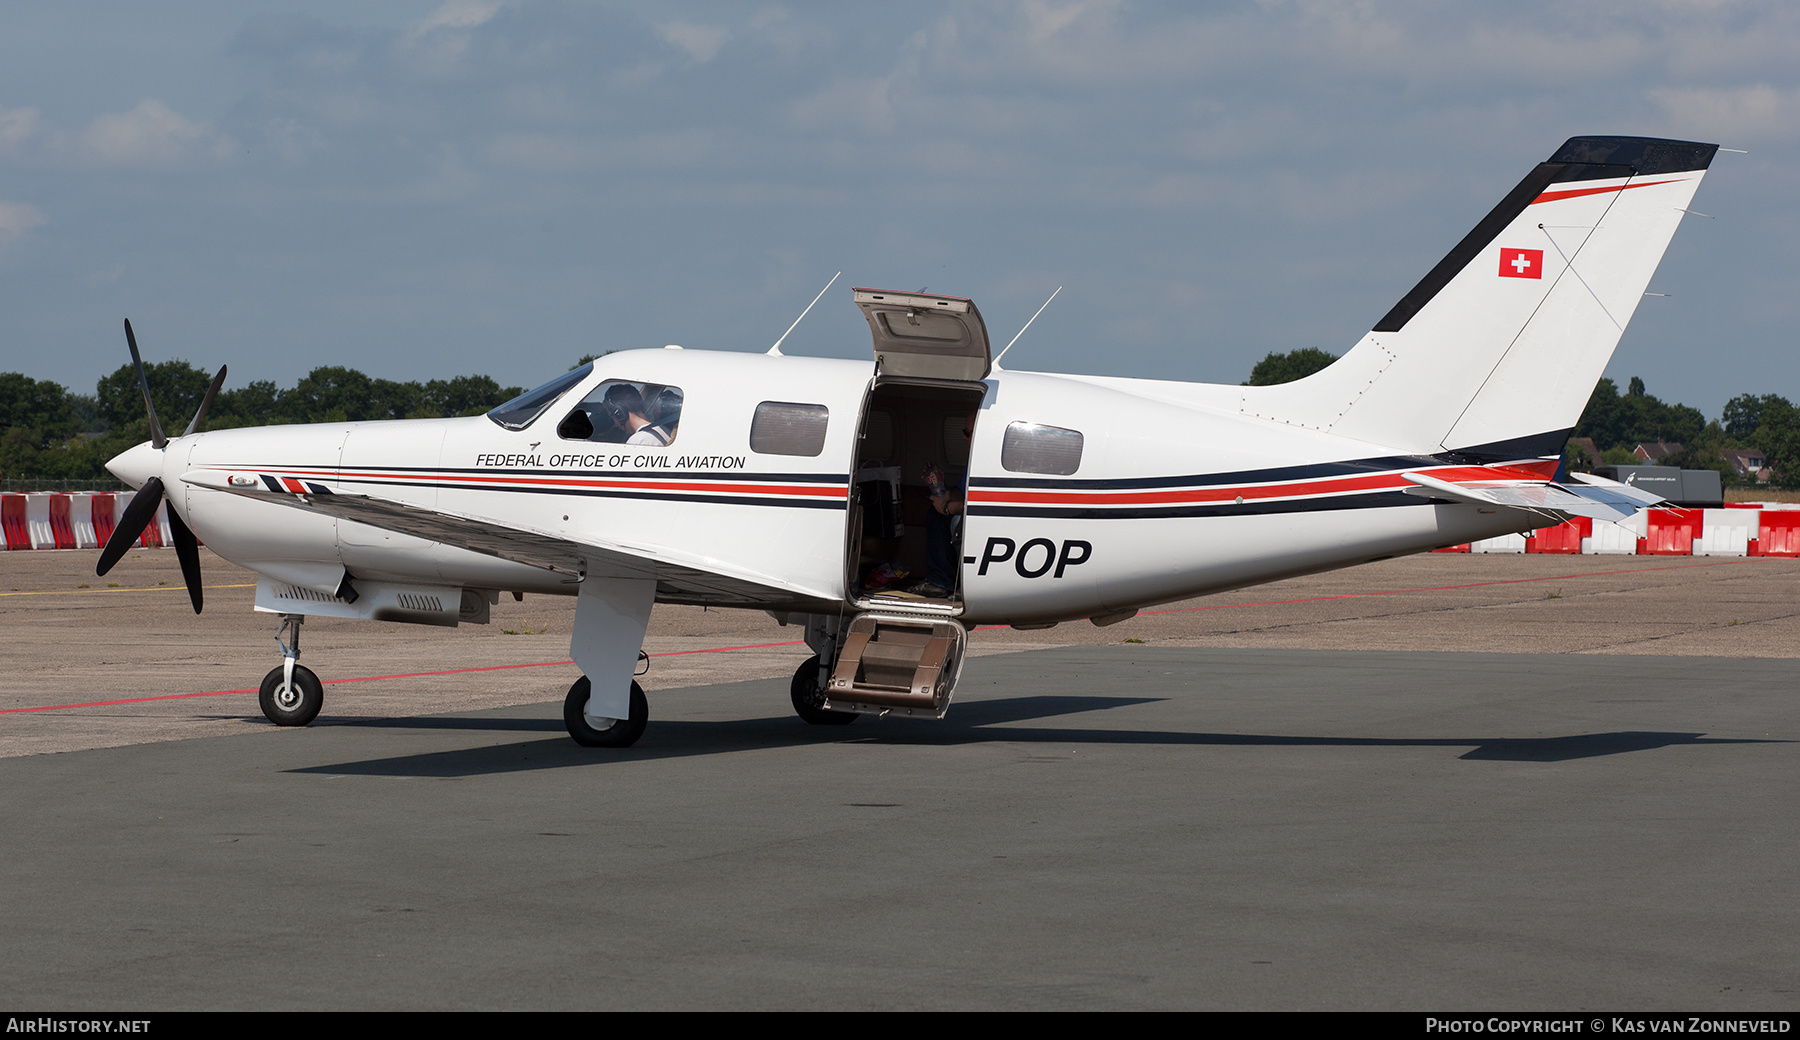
{"x": 1497, "y": 349}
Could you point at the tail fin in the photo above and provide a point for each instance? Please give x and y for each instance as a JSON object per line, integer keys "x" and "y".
{"x": 1496, "y": 351}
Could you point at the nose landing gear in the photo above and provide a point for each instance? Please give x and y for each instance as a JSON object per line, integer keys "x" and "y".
{"x": 291, "y": 694}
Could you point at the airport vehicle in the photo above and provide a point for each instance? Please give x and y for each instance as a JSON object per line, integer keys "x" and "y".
{"x": 796, "y": 485}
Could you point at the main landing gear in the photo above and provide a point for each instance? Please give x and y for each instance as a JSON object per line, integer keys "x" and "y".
{"x": 621, "y": 734}
{"x": 291, "y": 694}
{"x": 808, "y": 693}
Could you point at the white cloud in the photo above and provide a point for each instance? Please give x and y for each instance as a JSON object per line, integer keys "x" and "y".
{"x": 16, "y": 218}
{"x": 152, "y": 134}
{"x": 436, "y": 45}
{"x": 455, "y": 14}
{"x": 17, "y": 125}
{"x": 1047, "y": 19}
{"x": 701, "y": 42}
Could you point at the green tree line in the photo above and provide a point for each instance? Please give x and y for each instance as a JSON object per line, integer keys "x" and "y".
{"x": 46, "y": 432}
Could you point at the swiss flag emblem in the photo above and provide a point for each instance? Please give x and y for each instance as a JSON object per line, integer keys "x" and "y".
{"x": 1521, "y": 263}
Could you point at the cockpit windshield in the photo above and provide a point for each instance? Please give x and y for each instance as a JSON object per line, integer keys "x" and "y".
{"x": 524, "y": 409}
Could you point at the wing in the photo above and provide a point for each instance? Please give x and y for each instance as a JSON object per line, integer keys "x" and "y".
{"x": 1599, "y": 498}
{"x": 681, "y": 577}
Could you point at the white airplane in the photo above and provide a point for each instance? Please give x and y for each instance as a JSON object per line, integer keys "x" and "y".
{"x": 798, "y": 485}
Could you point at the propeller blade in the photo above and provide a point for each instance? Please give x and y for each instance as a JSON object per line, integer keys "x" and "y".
{"x": 157, "y": 440}
{"x": 205, "y": 403}
{"x": 137, "y": 517}
{"x": 187, "y": 550}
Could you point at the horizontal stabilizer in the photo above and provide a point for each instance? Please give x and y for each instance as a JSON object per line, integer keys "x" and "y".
{"x": 1613, "y": 503}
{"x": 1600, "y": 487}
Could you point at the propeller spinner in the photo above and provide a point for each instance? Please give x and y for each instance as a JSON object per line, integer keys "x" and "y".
{"x": 143, "y": 505}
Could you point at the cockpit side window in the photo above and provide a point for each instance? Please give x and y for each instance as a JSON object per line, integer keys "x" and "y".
{"x": 524, "y": 409}
{"x": 621, "y": 411}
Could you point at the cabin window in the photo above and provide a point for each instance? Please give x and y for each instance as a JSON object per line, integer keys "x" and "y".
{"x": 781, "y": 428}
{"x": 623, "y": 412}
{"x": 524, "y": 409}
{"x": 1030, "y": 448}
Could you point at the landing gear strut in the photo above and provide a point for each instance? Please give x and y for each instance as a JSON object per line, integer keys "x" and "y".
{"x": 291, "y": 694}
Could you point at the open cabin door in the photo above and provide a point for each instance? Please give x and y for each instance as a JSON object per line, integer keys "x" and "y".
{"x": 903, "y": 559}
{"x": 934, "y": 338}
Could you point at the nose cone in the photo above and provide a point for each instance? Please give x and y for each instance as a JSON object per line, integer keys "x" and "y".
{"x": 136, "y": 465}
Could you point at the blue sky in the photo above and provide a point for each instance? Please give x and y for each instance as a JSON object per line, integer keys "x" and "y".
{"x": 430, "y": 189}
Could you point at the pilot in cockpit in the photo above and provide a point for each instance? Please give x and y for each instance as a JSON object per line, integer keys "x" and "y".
{"x": 664, "y": 417}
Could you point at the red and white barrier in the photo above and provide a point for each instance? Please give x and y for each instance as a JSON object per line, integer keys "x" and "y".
{"x": 1567, "y": 538}
{"x": 1739, "y": 529}
{"x": 1619, "y": 539}
{"x": 156, "y": 533}
{"x": 1727, "y": 532}
{"x": 72, "y": 520}
{"x": 1778, "y": 532}
{"x": 85, "y": 513}
{"x": 1506, "y": 543}
{"x": 47, "y": 518}
{"x": 15, "y": 533}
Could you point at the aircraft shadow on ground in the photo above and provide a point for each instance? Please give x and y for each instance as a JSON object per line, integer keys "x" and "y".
{"x": 980, "y": 722}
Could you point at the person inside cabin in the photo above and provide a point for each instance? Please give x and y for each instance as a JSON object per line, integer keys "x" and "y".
{"x": 624, "y": 417}
{"x": 665, "y": 417}
{"x": 943, "y": 527}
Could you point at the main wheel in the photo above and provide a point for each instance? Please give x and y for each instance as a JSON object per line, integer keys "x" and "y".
{"x": 294, "y": 705}
{"x": 809, "y": 700}
{"x": 622, "y": 732}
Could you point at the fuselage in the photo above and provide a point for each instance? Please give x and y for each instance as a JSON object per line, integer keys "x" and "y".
{"x": 1168, "y": 497}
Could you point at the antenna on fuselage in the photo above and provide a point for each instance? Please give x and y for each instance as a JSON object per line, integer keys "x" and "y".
{"x": 1015, "y": 339}
{"x": 775, "y": 351}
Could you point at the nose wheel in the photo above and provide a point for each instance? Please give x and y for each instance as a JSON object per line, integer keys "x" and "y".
{"x": 291, "y": 700}
{"x": 291, "y": 694}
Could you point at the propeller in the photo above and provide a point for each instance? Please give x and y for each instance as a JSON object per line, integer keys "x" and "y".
{"x": 143, "y": 505}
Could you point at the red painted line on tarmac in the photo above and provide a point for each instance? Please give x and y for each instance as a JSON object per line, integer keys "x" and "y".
{"x": 374, "y": 678}
{"x": 129, "y": 700}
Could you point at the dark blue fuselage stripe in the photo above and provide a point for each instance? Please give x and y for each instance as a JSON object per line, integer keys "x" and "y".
{"x": 1330, "y": 503}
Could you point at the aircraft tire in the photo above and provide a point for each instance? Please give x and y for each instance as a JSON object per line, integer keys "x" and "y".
{"x": 807, "y": 698}
{"x": 621, "y": 734}
{"x": 295, "y": 707}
